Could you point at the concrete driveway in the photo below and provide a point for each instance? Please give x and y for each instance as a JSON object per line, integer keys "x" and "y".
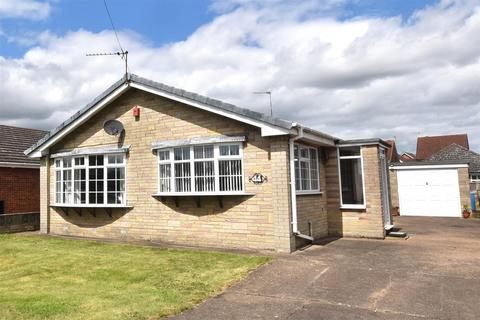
{"x": 435, "y": 274}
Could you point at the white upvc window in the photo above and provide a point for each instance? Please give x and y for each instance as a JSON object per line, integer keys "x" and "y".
{"x": 306, "y": 169}
{"x": 90, "y": 180}
{"x": 201, "y": 169}
{"x": 475, "y": 177}
{"x": 352, "y": 184}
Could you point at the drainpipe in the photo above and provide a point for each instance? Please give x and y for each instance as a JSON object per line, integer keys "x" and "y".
{"x": 293, "y": 191}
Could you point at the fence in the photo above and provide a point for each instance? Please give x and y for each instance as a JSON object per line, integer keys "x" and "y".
{"x": 19, "y": 222}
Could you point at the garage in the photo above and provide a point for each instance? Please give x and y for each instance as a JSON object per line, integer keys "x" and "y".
{"x": 430, "y": 190}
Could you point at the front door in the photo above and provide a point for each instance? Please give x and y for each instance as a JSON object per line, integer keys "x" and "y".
{"x": 387, "y": 217}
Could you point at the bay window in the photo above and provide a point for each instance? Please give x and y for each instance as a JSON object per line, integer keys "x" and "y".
{"x": 351, "y": 177}
{"x": 306, "y": 169}
{"x": 95, "y": 180}
{"x": 201, "y": 169}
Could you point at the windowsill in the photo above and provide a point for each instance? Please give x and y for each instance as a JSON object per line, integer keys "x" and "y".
{"x": 201, "y": 194}
{"x": 90, "y": 206}
{"x": 353, "y": 207}
{"x": 306, "y": 193}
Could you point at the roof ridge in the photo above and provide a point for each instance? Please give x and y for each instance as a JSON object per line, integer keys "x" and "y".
{"x": 211, "y": 101}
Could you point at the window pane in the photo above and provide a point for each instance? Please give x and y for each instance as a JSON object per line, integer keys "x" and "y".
{"x": 79, "y": 161}
{"x": 58, "y": 163}
{"x": 67, "y": 186}
{"x": 79, "y": 184}
{"x": 204, "y": 176}
{"x": 313, "y": 169}
{"x": 165, "y": 174}
{"x": 230, "y": 175}
{"x": 304, "y": 175}
{"x": 349, "y": 151}
{"x": 164, "y": 155}
{"x": 182, "y": 177}
{"x": 96, "y": 180}
{"x": 224, "y": 150}
{"x": 352, "y": 185}
{"x": 115, "y": 185}
{"x": 181, "y": 153}
{"x": 115, "y": 158}
{"x": 230, "y": 150}
{"x": 58, "y": 186}
{"x": 67, "y": 162}
{"x": 304, "y": 152}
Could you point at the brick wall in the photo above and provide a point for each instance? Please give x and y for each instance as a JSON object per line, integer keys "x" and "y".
{"x": 464, "y": 185}
{"x": 313, "y": 209}
{"x": 356, "y": 223}
{"x": 20, "y": 189}
{"x": 257, "y": 222}
{"x": 393, "y": 188}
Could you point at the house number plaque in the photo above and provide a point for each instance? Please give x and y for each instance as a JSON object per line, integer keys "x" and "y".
{"x": 257, "y": 178}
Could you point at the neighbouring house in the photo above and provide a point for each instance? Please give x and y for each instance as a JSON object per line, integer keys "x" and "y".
{"x": 407, "y": 156}
{"x": 19, "y": 180}
{"x": 439, "y": 180}
{"x": 19, "y": 174}
{"x": 456, "y": 152}
{"x": 151, "y": 162}
{"x": 429, "y": 145}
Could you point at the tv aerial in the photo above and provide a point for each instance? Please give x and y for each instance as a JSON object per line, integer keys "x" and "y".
{"x": 123, "y": 54}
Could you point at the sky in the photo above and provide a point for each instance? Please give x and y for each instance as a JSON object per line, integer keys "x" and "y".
{"x": 349, "y": 68}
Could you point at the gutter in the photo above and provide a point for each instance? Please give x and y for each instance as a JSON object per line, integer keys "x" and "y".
{"x": 293, "y": 191}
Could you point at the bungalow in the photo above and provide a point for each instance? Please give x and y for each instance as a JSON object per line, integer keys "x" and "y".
{"x": 147, "y": 161}
{"x": 19, "y": 174}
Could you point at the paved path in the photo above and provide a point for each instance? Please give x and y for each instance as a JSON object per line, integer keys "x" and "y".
{"x": 433, "y": 275}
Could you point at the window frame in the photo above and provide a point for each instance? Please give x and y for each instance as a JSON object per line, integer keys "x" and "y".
{"x": 476, "y": 180}
{"x": 86, "y": 165}
{"x": 192, "y": 160}
{"x": 318, "y": 190}
{"x": 339, "y": 158}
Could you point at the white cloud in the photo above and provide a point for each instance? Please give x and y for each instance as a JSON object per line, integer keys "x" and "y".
{"x": 29, "y": 9}
{"x": 361, "y": 77}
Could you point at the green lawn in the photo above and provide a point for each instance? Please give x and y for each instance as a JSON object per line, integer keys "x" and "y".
{"x": 49, "y": 278}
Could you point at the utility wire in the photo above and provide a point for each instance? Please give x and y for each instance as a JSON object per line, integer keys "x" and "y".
{"x": 113, "y": 26}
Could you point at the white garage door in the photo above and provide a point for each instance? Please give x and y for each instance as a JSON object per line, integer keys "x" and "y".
{"x": 429, "y": 192}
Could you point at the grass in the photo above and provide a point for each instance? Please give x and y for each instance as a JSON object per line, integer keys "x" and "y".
{"x": 50, "y": 278}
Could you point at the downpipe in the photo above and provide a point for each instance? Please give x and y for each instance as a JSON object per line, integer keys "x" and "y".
{"x": 293, "y": 191}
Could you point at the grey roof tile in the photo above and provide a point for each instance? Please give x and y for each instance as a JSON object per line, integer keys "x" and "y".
{"x": 14, "y": 140}
{"x": 175, "y": 91}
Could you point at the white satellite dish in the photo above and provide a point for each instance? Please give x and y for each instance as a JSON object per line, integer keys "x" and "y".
{"x": 113, "y": 127}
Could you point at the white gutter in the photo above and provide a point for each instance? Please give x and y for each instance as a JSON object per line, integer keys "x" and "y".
{"x": 293, "y": 191}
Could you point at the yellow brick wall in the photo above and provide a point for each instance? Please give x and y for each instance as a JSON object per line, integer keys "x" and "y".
{"x": 256, "y": 222}
{"x": 464, "y": 184}
{"x": 313, "y": 208}
{"x": 393, "y": 188}
{"x": 356, "y": 223}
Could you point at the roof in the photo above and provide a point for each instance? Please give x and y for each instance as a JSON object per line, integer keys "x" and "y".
{"x": 392, "y": 153}
{"x": 455, "y": 152}
{"x": 273, "y": 125}
{"x": 407, "y": 156}
{"x": 13, "y": 141}
{"x": 416, "y": 163}
{"x": 428, "y": 146}
{"x": 363, "y": 142}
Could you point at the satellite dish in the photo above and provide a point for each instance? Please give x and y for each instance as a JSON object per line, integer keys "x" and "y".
{"x": 113, "y": 127}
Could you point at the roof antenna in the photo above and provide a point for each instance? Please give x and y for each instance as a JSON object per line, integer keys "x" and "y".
{"x": 122, "y": 53}
{"x": 270, "y": 96}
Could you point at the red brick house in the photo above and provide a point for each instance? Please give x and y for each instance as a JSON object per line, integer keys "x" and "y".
{"x": 19, "y": 174}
